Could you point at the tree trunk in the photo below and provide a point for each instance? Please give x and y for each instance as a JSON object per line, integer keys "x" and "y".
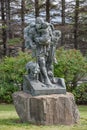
{"x": 48, "y": 10}
{"x": 22, "y": 22}
{"x": 4, "y": 34}
{"x": 36, "y": 8}
{"x": 63, "y": 12}
{"x": 76, "y": 24}
{"x": 63, "y": 22}
{"x": 9, "y": 20}
{"x": 7, "y": 7}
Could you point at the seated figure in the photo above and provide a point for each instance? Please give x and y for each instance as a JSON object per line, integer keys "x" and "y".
{"x": 33, "y": 70}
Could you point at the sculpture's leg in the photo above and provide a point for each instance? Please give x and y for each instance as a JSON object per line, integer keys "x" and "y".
{"x": 50, "y": 68}
{"x": 43, "y": 69}
{"x": 50, "y": 73}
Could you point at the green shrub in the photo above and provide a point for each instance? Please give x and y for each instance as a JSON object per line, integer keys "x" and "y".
{"x": 12, "y": 70}
{"x": 72, "y": 66}
{"x": 14, "y": 41}
{"x": 80, "y": 93}
{"x": 6, "y": 91}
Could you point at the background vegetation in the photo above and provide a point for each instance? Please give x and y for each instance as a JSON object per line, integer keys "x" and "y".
{"x": 72, "y": 66}
{"x": 12, "y": 70}
{"x": 73, "y": 22}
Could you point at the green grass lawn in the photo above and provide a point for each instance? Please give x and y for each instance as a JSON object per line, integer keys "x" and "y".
{"x": 9, "y": 120}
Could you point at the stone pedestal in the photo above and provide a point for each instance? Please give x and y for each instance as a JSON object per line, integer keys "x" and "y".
{"x": 46, "y": 109}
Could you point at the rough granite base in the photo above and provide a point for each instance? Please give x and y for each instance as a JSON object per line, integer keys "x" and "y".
{"x": 46, "y": 109}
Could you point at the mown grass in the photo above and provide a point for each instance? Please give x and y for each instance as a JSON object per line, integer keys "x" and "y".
{"x": 9, "y": 120}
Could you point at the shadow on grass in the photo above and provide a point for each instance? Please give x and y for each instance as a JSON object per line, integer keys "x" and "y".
{"x": 16, "y": 122}
{"x": 11, "y": 122}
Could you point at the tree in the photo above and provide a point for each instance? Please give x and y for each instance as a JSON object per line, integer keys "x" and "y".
{"x": 48, "y": 10}
{"x": 76, "y": 14}
{"x": 63, "y": 12}
{"x": 63, "y": 21}
{"x": 8, "y": 28}
{"x": 7, "y": 7}
{"x": 4, "y": 34}
{"x": 76, "y": 23}
{"x": 36, "y": 8}
{"x": 22, "y": 22}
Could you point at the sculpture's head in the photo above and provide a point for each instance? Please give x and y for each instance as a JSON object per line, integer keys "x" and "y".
{"x": 39, "y": 22}
{"x": 32, "y": 67}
